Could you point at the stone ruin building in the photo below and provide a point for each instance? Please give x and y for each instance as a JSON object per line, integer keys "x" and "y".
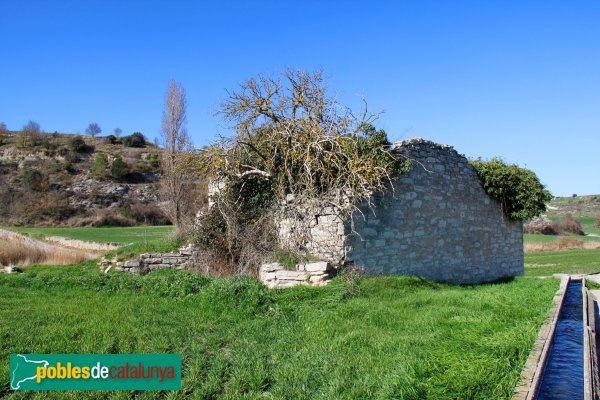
{"x": 438, "y": 223}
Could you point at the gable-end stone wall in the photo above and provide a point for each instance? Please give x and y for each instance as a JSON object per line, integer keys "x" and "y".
{"x": 438, "y": 223}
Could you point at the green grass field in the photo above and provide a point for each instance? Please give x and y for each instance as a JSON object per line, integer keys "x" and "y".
{"x": 381, "y": 337}
{"x": 589, "y": 225}
{"x": 384, "y": 337}
{"x": 135, "y": 240}
{"x": 564, "y": 261}
{"x": 544, "y": 263}
{"x": 137, "y": 234}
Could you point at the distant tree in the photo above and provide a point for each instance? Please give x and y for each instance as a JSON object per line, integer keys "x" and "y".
{"x": 136, "y": 139}
{"x": 3, "y": 128}
{"x": 100, "y": 165}
{"x": 118, "y": 132}
{"x": 93, "y": 129}
{"x": 32, "y": 127}
{"x": 118, "y": 168}
{"x": 30, "y": 135}
{"x": 175, "y": 176}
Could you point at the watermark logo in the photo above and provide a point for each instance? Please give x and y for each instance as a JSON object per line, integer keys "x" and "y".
{"x": 95, "y": 371}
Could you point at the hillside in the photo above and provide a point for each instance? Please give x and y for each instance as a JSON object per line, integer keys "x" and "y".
{"x": 579, "y": 206}
{"x": 64, "y": 179}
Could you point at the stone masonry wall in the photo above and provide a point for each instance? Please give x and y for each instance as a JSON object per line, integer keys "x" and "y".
{"x": 275, "y": 276}
{"x": 439, "y": 224}
{"x": 320, "y": 230}
{"x": 150, "y": 262}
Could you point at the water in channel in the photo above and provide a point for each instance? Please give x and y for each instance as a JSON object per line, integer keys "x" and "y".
{"x": 562, "y": 377}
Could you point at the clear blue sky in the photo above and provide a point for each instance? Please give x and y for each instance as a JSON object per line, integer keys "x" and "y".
{"x": 520, "y": 80}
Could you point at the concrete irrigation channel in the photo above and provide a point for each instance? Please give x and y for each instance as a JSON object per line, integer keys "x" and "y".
{"x": 563, "y": 364}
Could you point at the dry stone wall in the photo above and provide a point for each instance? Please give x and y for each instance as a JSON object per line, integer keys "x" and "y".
{"x": 274, "y": 275}
{"x": 438, "y": 223}
{"x": 148, "y": 262}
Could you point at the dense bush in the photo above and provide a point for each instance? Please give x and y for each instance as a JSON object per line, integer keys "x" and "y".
{"x": 51, "y": 208}
{"x": 568, "y": 225}
{"x": 134, "y": 140}
{"x": 111, "y": 139}
{"x": 147, "y": 214}
{"x": 291, "y": 140}
{"x": 100, "y": 165}
{"x": 33, "y": 180}
{"x": 118, "y": 168}
{"x": 78, "y": 145}
{"x": 540, "y": 226}
{"x": 544, "y": 226}
{"x": 518, "y": 190}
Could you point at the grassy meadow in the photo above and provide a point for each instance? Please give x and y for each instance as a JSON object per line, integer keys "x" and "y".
{"x": 571, "y": 261}
{"x": 138, "y": 235}
{"x": 378, "y": 337}
{"x": 384, "y": 337}
{"x": 134, "y": 240}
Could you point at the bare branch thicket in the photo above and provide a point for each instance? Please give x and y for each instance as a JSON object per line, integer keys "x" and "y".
{"x": 304, "y": 142}
{"x": 178, "y": 183}
{"x": 301, "y": 144}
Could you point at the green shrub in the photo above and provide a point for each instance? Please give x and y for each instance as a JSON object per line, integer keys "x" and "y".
{"x": 134, "y": 140}
{"x": 287, "y": 259}
{"x": 154, "y": 161}
{"x": 100, "y": 165}
{"x": 33, "y": 180}
{"x": 518, "y": 190}
{"x": 118, "y": 168}
{"x": 111, "y": 139}
{"x": 78, "y": 145}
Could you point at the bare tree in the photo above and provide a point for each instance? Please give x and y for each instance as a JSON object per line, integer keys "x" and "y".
{"x": 32, "y": 127}
{"x": 30, "y": 135}
{"x": 175, "y": 172}
{"x": 93, "y": 129}
{"x": 118, "y": 132}
{"x": 294, "y": 148}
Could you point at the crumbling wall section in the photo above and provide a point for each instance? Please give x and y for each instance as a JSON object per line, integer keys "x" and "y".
{"x": 437, "y": 223}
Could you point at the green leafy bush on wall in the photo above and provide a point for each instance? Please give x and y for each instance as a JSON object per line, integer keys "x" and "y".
{"x": 518, "y": 190}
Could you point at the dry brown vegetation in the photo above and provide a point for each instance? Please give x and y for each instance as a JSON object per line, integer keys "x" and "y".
{"x": 565, "y": 225}
{"x": 20, "y": 250}
{"x": 564, "y": 243}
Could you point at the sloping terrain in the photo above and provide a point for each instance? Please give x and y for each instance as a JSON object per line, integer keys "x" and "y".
{"x": 578, "y": 206}
{"x": 62, "y": 179}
